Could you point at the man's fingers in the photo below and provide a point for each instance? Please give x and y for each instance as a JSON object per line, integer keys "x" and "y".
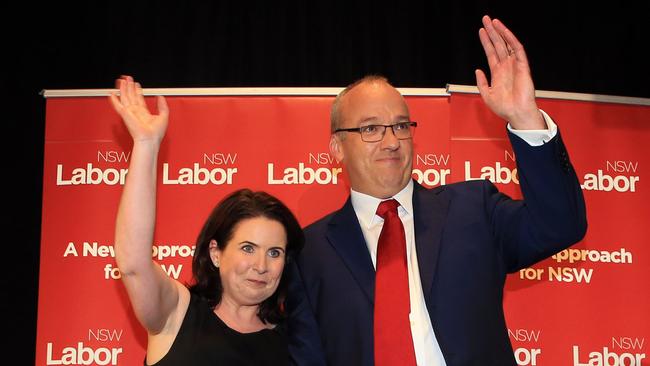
{"x": 511, "y": 40}
{"x": 481, "y": 82}
{"x": 497, "y": 40}
{"x": 490, "y": 52}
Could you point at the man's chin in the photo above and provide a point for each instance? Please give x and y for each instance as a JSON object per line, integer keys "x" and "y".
{"x": 392, "y": 187}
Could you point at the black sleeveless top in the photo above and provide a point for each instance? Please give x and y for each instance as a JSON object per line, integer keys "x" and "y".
{"x": 204, "y": 339}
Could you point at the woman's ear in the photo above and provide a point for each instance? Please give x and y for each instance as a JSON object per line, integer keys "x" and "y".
{"x": 215, "y": 252}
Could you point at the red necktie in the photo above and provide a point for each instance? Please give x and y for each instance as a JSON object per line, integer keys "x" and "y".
{"x": 392, "y": 328}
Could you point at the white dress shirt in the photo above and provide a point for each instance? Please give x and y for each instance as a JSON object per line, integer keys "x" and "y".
{"x": 427, "y": 349}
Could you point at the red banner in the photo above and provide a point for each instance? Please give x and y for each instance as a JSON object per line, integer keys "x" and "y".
{"x": 586, "y": 305}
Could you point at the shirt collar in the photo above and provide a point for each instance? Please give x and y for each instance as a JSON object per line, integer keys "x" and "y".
{"x": 365, "y": 206}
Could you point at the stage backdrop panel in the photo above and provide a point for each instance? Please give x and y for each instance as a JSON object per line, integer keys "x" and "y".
{"x": 585, "y": 306}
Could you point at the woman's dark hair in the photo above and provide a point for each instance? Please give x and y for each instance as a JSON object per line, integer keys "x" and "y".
{"x": 236, "y": 207}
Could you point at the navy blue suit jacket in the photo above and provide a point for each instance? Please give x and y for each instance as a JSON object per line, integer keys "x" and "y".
{"x": 468, "y": 237}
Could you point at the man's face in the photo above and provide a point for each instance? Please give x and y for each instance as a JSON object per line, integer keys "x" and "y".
{"x": 380, "y": 169}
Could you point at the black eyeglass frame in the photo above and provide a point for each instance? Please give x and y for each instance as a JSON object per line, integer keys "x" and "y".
{"x": 411, "y": 124}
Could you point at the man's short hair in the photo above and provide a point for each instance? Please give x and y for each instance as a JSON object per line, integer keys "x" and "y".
{"x": 335, "y": 114}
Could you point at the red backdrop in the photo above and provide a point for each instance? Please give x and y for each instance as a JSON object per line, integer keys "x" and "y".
{"x": 585, "y": 306}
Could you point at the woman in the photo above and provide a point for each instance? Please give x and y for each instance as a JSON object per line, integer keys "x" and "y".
{"x": 229, "y": 315}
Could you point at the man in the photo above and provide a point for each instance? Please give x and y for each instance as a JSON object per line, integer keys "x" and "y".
{"x": 458, "y": 241}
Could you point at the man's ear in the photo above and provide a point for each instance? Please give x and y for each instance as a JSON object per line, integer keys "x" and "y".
{"x": 336, "y": 150}
{"x": 215, "y": 252}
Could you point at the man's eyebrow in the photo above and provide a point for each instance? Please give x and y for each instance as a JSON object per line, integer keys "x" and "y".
{"x": 369, "y": 119}
{"x": 400, "y": 118}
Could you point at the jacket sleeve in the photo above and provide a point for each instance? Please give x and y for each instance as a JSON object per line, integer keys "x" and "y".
{"x": 305, "y": 346}
{"x": 552, "y": 215}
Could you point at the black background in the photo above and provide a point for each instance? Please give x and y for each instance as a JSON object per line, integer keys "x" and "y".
{"x": 572, "y": 47}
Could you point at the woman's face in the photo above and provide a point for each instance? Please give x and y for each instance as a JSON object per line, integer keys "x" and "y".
{"x": 252, "y": 262}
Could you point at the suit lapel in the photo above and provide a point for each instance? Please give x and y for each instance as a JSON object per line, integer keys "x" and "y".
{"x": 429, "y": 213}
{"x": 345, "y": 235}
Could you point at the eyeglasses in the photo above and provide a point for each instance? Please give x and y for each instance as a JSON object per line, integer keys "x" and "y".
{"x": 375, "y": 133}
